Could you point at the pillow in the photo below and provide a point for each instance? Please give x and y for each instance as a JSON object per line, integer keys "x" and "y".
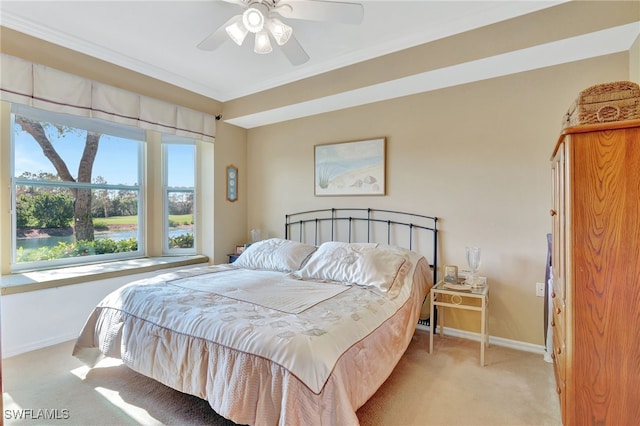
{"x": 275, "y": 254}
{"x": 361, "y": 264}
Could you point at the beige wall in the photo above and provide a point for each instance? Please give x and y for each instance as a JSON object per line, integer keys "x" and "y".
{"x": 477, "y": 156}
{"x": 230, "y": 218}
{"x": 634, "y": 61}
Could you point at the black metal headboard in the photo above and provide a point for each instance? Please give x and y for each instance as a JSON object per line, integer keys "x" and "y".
{"x": 413, "y": 231}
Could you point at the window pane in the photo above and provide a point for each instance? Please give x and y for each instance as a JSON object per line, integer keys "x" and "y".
{"x": 180, "y": 226}
{"x": 180, "y": 165}
{"x": 116, "y": 160}
{"x": 45, "y": 215}
{"x": 179, "y": 160}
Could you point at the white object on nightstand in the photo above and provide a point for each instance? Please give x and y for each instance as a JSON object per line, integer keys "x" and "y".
{"x": 457, "y": 299}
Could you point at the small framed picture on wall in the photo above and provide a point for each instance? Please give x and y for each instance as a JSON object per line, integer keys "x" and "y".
{"x": 232, "y": 183}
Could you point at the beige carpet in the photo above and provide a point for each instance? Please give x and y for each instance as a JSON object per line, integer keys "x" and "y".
{"x": 446, "y": 388}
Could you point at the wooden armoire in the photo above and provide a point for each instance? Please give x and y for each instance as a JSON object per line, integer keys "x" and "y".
{"x": 596, "y": 273}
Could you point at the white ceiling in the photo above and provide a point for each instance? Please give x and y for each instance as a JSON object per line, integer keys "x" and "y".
{"x": 159, "y": 38}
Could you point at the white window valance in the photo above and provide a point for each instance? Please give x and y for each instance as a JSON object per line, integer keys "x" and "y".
{"x": 47, "y": 88}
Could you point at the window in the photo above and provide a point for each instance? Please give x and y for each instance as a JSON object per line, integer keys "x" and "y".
{"x": 77, "y": 190}
{"x": 179, "y": 194}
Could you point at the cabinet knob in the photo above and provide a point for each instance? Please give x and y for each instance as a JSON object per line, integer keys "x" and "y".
{"x": 552, "y": 212}
{"x": 553, "y": 323}
{"x": 559, "y": 351}
{"x": 553, "y": 294}
{"x": 553, "y": 355}
{"x": 558, "y": 390}
{"x": 558, "y": 311}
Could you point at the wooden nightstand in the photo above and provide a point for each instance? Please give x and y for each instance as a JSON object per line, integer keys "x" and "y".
{"x": 458, "y": 300}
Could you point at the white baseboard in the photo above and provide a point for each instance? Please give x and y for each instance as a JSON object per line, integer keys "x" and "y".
{"x": 498, "y": 341}
{"x": 33, "y": 346}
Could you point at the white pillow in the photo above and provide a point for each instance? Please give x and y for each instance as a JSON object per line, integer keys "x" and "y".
{"x": 275, "y": 254}
{"x": 362, "y": 264}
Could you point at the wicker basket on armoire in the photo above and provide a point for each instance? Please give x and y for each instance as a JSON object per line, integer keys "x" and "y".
{"x": 604, "y": 103}
{"x": 596, "y": 258}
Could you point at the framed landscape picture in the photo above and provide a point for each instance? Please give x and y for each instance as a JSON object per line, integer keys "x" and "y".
{"x": 350, "y": 168}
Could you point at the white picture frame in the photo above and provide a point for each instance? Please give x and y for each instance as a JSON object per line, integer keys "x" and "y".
{"x": 450, "y": 273}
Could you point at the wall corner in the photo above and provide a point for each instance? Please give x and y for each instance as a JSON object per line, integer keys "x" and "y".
{"x": 634, "y": 61}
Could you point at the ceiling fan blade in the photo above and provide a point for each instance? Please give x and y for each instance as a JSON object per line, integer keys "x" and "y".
{"x": 219, "y": 36}
{"x": 294, "y": 51}
{"x": 319, "y": 10}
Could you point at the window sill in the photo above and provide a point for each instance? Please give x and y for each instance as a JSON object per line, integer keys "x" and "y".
{"x": 39, "y": 280}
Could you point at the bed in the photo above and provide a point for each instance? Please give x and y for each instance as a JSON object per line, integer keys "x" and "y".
{"x": 290, "y": 333}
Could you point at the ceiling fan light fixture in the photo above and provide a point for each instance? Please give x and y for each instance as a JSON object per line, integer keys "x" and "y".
{"x": 262, "y": 43}
{"x": 280, "y": 31}
{"x": 253, "y": 18}
{"x": 237, "y": 32}
{"x": 259, "y": 18}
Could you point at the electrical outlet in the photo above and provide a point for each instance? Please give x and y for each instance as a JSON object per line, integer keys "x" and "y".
{"x": 540, "y": 289}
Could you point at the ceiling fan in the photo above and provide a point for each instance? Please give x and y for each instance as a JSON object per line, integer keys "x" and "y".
{"x": 261, "y": 18}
